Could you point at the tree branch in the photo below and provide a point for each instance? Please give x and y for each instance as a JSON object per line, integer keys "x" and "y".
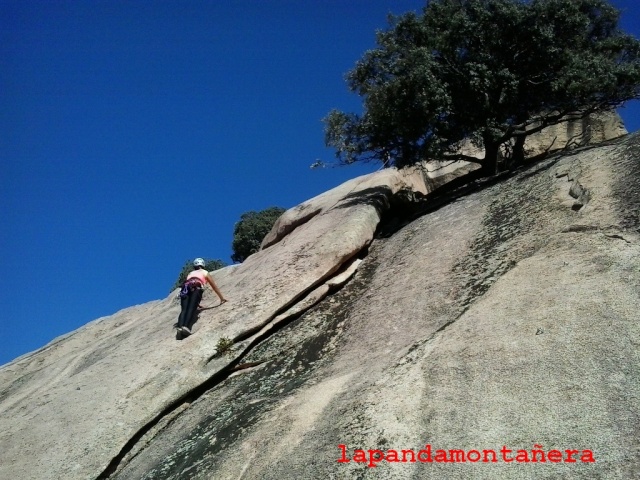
{"x": 460, "y": 156}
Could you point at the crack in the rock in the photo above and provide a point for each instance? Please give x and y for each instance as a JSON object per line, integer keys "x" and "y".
{"x": 187, "y": 398}
{"x": 606, "y": 231}
{"x": 616, "y": 236}
{"x": 221, "y": 375}
{"x": 247, "y": 365}
{"x": 234, "y": 366}
{"x": 396, "y": 210}
{"x": 580, "y": 229}
{"x": 345, "y": 264}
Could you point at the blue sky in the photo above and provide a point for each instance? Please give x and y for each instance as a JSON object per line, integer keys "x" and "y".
{"x": 135, "y": 134}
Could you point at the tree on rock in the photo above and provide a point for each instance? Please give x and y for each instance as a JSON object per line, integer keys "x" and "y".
{"x": 250, "y": 230}
{"x": 485, "y": 71}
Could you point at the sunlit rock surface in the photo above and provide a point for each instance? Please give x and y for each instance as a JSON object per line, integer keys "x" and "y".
{"x": 505, "y": 315}
{"x": 69, "y": 409}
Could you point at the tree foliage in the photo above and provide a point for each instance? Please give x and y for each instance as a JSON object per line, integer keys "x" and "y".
{"x": 251, "y": 229}
{"x": 210, "y": 264}
{"x": 489, "y": 71}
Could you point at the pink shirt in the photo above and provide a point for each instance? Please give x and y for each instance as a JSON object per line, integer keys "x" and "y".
{"x": 201, "y": 274}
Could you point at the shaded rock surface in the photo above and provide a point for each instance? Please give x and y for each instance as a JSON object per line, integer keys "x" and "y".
{"x": 590, "y": 130}
{"x": 507, "y": 316}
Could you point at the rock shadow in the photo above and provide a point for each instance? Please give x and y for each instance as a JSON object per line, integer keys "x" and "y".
{"x": 378, "y": 197}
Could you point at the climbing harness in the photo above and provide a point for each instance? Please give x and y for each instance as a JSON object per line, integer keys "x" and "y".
{"x": 189, "y": 286}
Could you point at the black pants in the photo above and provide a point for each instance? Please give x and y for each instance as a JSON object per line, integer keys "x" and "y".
{"x": 189, "y": 304}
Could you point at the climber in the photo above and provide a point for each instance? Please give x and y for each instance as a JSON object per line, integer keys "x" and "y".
{"x": 191, "y": 294}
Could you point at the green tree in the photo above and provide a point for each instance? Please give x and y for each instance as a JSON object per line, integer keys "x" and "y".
{"x": 489, "y": 71}
{"x": 210, "y": 264}
{"x": 250, "y": 230}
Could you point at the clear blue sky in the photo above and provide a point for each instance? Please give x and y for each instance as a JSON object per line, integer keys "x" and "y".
{"x": 135, "y": 133}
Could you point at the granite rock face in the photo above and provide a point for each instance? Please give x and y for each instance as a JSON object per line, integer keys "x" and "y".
{"x": 505, "y": 315}
{"x": 72, "y": 408}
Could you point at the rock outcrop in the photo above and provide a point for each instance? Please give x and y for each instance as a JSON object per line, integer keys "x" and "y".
{"x": 590, "y": 130}
{"x": 505, "y": 314}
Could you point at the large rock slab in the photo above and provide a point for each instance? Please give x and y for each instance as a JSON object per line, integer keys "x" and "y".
{"x": 505, "y": 318}
{"x": 72, "y": 408}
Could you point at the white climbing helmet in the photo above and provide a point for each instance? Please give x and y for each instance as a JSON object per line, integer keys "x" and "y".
{"x": 198, "y": 262}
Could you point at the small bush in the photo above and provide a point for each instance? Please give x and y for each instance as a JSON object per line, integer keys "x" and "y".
{"x": 224, "y": 345}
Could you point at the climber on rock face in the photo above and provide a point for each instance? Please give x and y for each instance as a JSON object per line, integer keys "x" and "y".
{"x": 191, "y": 294}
